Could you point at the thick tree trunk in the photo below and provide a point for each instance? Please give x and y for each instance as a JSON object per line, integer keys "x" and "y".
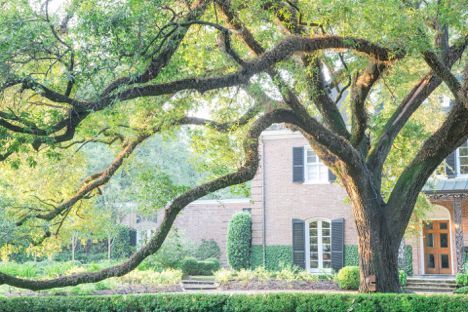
{"x": 378, "y": 241}
{"x": 378, "y": 259}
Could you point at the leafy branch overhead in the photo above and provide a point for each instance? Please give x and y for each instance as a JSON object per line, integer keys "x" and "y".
{"x": 351, "y": 77}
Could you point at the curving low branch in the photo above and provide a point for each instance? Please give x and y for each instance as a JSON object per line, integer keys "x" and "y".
{"x": 245, "y": 173}
{"x": 101, "y": 178}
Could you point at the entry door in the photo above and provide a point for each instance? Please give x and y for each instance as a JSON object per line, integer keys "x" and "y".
{"x": 436, "y": 237}
{"x": 319, "y": 249}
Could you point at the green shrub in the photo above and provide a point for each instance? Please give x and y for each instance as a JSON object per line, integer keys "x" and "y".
{"x": 239, "y": 239}
{"x": 261, "y": 274}
{"x": 174, "y": 249}
{"x": 282, "y": 302}
{"x": 403, "y": 278}
{"x": 25, "y": 270}
{"x": 348, "y": 278}
{"x": 462, "y": 279}
{"x": 462, "y": 290}
{"x": 150, "y": 278}
{"x": 223, "y": 276}
{"x": 121, "y": 247}
{"x": 208, "y": 249}
{"x": 192, "y": 266}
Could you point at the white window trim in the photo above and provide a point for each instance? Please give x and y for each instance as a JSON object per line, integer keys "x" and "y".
{"x": 306, "y": 178}
{"x": 320, "y": 245}
{"x": 457, "y": 165}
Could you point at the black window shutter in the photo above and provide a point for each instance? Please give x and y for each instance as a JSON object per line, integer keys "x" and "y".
{"x": 331, "y": 176}
{"x": 450, "y": 163}
{"x": 298, "y": 164}
{"x": 298, "y": 243}
{"x": 337, "y": 245}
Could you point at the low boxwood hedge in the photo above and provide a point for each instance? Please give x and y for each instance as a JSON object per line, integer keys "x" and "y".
{"x": 462, "y": 279}
{"x": 462, "y": 290}
{"x": 283, "y": 302}
{"x": 192, "y": 266}
{"x": 348, "y": 278}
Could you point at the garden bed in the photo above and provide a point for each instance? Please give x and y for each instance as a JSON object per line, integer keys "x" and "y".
{"x": 90, "y": 290}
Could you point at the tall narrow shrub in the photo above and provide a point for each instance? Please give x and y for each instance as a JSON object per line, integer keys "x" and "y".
{"x": 239, "y": 239}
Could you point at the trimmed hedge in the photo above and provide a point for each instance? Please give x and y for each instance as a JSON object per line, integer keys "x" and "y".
{"x": 462, "y": 279}
{"x": 239, "y": 240}
{"x": 284, "y": 302}
{"x": 348, "y": 278}
{"x": 276, "y": 257}
{"x": 403, "y": 277}
{"x": 192, "y": 266}
{"x": 462, "y": 290}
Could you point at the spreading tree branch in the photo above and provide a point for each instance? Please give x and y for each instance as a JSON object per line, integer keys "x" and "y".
{"x": 99, "y": 179}
{"x": 418, "y": 94}
{"x": 361, "y": 86}
{"x": 245, "y": 173}
{"x": 453, "y": 132}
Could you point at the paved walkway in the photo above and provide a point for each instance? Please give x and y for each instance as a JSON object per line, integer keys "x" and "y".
{"x": 292, "y": 291}
{"x": 270, "y": 291}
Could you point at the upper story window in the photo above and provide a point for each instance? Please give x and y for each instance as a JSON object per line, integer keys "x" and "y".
{"x": 462, "y": 159}
{"x": 315, "y": 170}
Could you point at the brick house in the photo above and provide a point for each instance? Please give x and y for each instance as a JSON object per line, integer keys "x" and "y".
{"x": 301, "y": 215}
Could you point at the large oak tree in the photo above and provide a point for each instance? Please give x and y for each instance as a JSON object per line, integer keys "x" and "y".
{"x": 349, "y": 75}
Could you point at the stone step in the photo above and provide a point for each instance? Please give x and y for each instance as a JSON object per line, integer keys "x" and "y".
{"x": 425, "y": 289}
{"x": 451, "y": 288}
{"x": 198, "y": 282}
{"x": 431, "y": 279}
{"x": 425, "y": 283}
{"x": 199, "y": 285}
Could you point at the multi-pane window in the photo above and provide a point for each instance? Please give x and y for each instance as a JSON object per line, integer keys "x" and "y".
{"x": 463, "y": 158}
{"x": 315, "y": 170}
{"x": 319, "y": 245}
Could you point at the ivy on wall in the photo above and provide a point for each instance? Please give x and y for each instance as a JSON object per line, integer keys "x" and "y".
{"x": 280, "y": 256}
{"x": 352, "y": 257}
{"x": 276, "y": 257}
{"x": 408, "y": 254}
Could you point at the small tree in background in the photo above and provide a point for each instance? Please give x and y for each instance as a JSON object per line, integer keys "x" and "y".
{"x": 239, "y": 239}
{"x": 208, "y": 249}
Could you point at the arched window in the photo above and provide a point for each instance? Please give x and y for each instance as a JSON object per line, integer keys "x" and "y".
{"x": 318, "y": 245}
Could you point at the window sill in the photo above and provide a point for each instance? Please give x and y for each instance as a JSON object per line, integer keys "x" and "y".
{"x": 316, "y": 182}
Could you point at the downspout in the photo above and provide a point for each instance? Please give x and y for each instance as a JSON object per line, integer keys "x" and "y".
{"x": 263, "y": 204}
